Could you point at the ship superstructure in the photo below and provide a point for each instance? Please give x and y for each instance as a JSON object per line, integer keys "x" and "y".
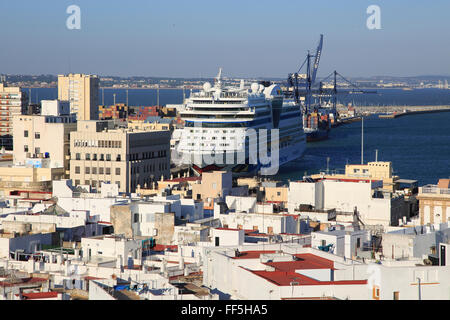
{"x": 225, "y": 128}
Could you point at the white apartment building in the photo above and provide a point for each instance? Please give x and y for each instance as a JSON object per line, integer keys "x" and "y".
{"x": 374, "y": 207}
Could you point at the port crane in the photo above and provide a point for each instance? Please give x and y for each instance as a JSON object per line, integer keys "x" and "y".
{"x": 303, "y": 84}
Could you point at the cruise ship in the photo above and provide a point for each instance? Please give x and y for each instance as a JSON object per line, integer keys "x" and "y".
{"x": 218, "y": 136}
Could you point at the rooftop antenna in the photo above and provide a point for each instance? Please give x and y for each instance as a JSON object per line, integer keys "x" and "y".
{"x": 103, "y": 96}
{"x": 114, "y": 95}
{"x": 376, "y": 155}
{"x": 157, "y": 96}
{"x": 127, "y": 97}
{"x": 362, "y": 139}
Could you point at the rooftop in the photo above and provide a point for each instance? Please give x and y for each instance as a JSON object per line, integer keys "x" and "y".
{"x": 291, "y": 278}
{"x": 304, "y": 261}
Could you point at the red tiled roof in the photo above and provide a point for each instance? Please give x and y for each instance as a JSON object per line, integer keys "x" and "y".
{"x": 40, "y": 295}
{"x": 161, "y": 247}
{"x": 92, "y": 278}
{"x": 252, "y": 254}
{"x": 24, "y": 281}
{"x": 281, "y": 278}
{"x": 307, "y": 261}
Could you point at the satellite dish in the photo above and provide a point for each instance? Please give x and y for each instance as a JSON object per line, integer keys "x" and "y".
{"x": 255, "y": 87}
{"x": 206, "y": 86}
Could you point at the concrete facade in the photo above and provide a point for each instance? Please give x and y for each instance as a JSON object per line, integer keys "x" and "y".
{"x": 82, "y": 92}
{"x": 120, "y": 156}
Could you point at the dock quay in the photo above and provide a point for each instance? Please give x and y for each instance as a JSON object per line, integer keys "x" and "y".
{"x": 391, "y": 112}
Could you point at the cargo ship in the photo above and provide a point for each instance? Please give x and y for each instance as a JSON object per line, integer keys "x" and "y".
{"x": 317, "y": 124}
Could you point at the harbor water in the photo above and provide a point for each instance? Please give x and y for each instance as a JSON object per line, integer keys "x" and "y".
{"x": 417, "y": 145}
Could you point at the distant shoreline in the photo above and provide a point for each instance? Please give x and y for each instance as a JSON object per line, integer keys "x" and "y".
{"x": 116, "y": 88}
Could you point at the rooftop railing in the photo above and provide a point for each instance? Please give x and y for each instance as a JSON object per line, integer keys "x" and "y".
{"x": 433, "y": 189}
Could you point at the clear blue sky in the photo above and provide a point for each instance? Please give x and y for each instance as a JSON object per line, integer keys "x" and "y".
{"x": 189, "y": 38}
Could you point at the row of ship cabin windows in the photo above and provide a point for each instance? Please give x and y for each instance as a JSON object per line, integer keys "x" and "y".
{"x": 216, "y": 131}
{"x": 211, "y": 144}
{"x": 213, "y": 138}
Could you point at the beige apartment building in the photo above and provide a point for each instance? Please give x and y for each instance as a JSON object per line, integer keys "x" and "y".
{"x": 16, "y": 179}
{"x": 434, "y": 203}
{"x": 103, "y": 152}
{"x": 12, "y": 102}
{"x": 43, "y": 137}
{"x": 82, "y": 92}
{"x": 372, "y": 170}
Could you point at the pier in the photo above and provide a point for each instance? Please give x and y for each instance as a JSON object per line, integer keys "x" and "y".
{"x": 392, "y": 112}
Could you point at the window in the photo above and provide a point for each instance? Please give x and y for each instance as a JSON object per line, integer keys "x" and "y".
{"x": 217, "y": 241}
{"x": 102, "y": 157}
{"x": 396, "y": 295}
{"x": 87, "y": 182}
{"x": 25, "y": 148}
{"x": 77, "y": 170}
{"x": 94, "y": 157}
{"x": 358, "y": 243}
{"x": 94, "y": 170}
{"x": 324, "y": 243}
{"x": 78, "y": 156}
{"x": 77, "y": 182}
{"x": 108, "y": 157}
{"x": 278, "y": 193}
{"x": 100, "y": 170}
{"x": 25, "y": 133}
{"x": 37, "y": 150}
{"x": 118, "y": 158}
{"x": 118, "y": 184}
{"x": 88, "y": 156}
{"x": 136, "y": 218}
{"x": 108, "y": 171}
{"x": 88, "y": 170}
{"x": 37, "y": 135}
{"x": 117, "y": 171}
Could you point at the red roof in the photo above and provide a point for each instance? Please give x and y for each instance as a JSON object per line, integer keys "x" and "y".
{"x": 351, "y": 180}
{"x": 40, "y": 295}
{"x": 161, "y": 247}
{"x": 24, "y": 281}
{"x": 306, "y": 261}
{"x": 252, "y": 254}
{"x": 187, "y": 179}
{"x": 92, "y": 278}
{"x": 281, "y": 278}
